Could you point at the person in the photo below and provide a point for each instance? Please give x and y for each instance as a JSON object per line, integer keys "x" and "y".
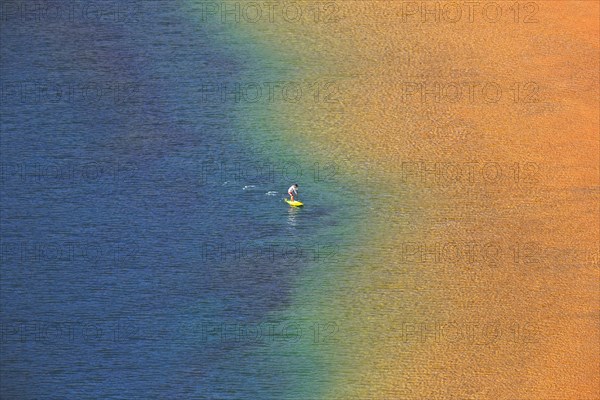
{"x": 293, "y": 191}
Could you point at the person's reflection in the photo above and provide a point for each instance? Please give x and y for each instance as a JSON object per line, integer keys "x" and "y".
{"x": 292, "y": 216}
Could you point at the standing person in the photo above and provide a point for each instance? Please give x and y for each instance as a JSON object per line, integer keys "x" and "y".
{"x": 293, "y": 191}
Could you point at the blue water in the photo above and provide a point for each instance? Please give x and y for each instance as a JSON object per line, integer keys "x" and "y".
{"x": 136, "y": 220}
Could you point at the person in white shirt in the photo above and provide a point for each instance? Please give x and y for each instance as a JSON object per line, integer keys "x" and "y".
{"x": 293, "y": 191}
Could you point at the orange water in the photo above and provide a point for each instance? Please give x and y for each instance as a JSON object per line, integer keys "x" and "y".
{"x": 507, "y": 173}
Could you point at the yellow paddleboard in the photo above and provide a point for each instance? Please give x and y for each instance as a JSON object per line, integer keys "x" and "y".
{"x": 294, "y": 203}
